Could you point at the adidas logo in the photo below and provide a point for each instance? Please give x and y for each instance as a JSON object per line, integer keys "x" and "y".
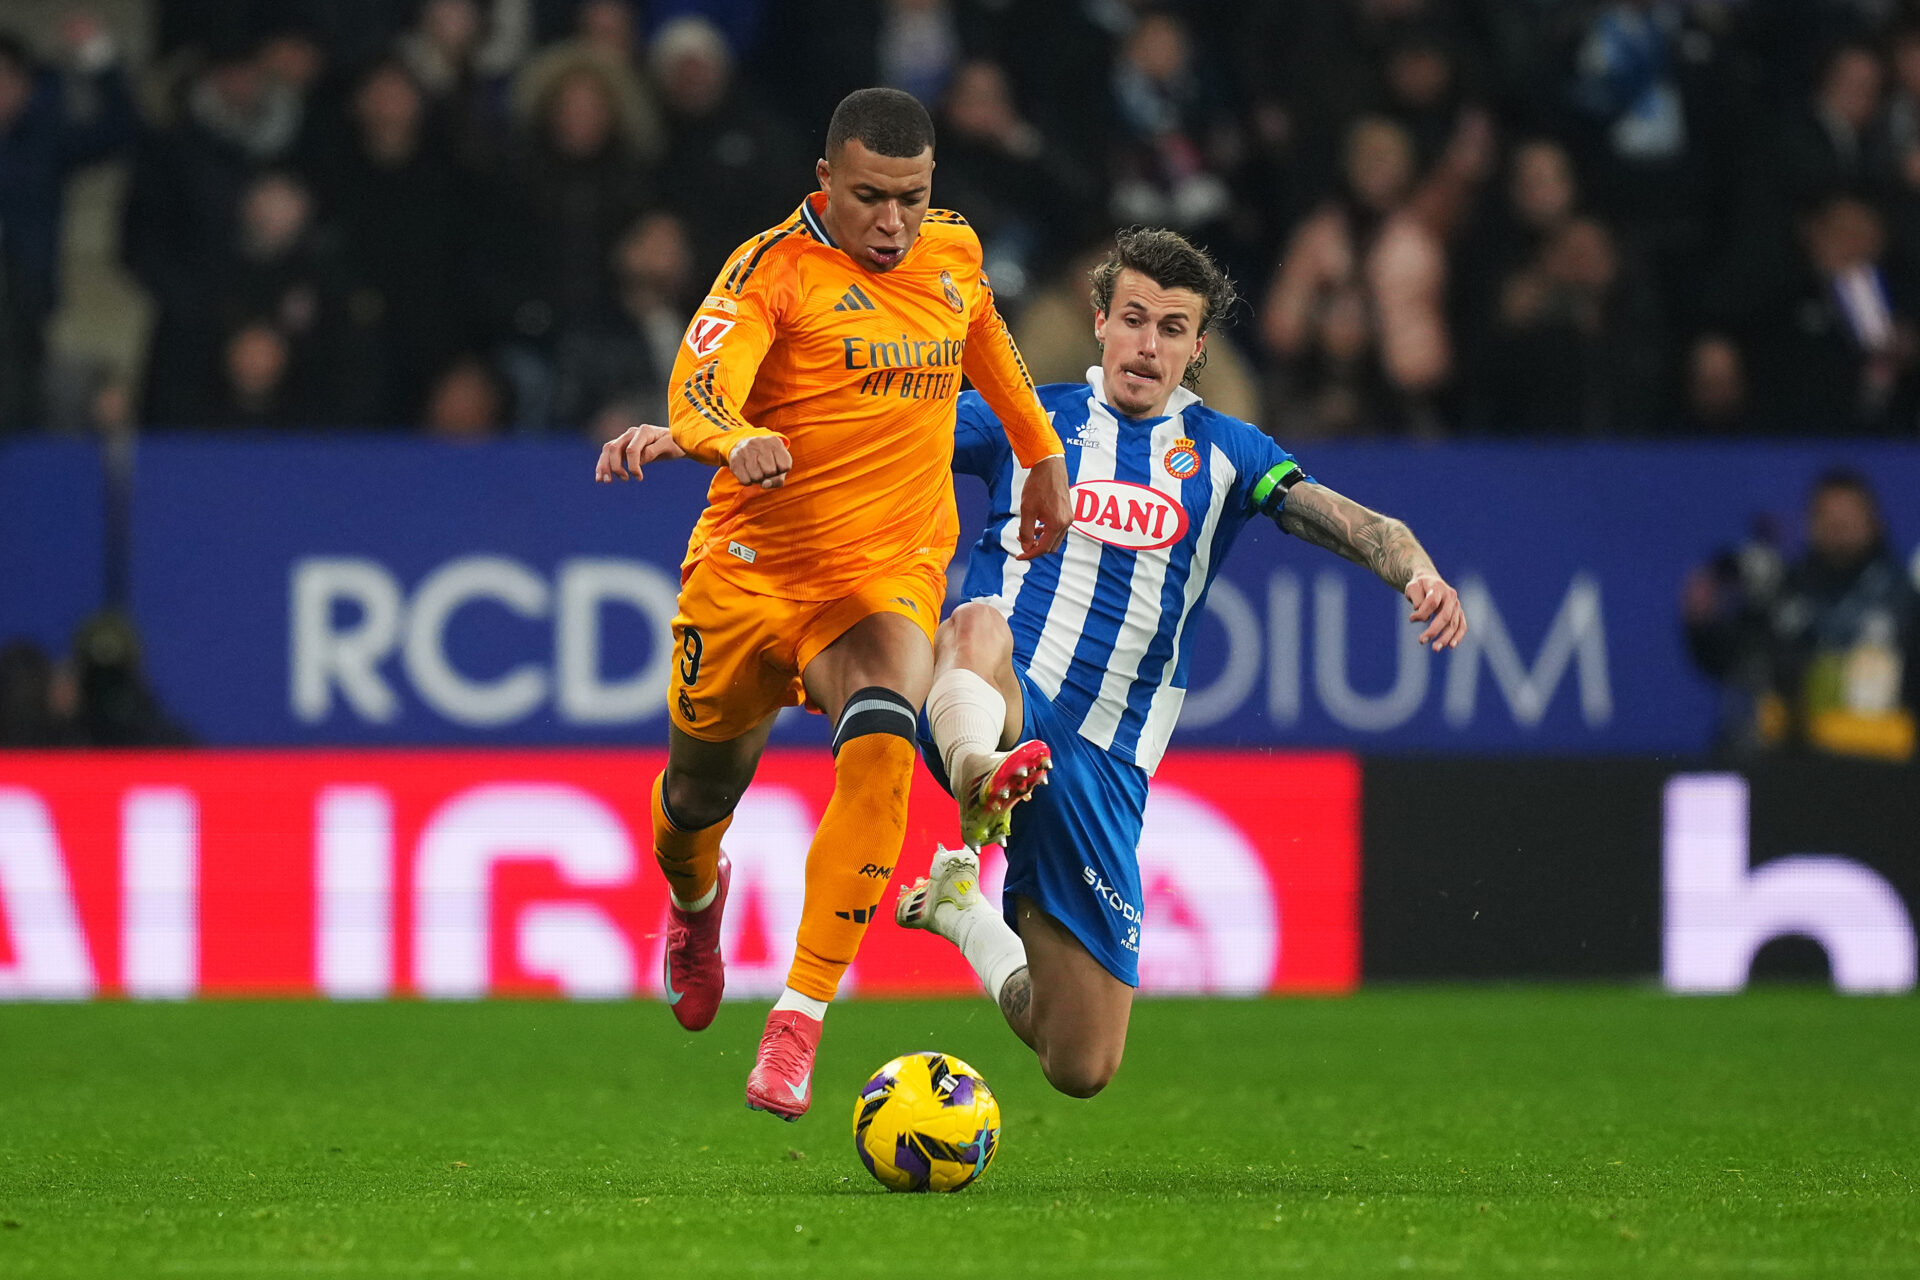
{"x": 854, "y": 300}
{"x": 859, "y": 915}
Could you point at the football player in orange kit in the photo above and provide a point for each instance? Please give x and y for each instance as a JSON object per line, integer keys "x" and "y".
{"x": 820, "y": 376}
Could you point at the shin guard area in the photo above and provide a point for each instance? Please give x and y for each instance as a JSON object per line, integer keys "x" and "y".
{"x": 858, "y": 840}
{"x": 690, "y": 860}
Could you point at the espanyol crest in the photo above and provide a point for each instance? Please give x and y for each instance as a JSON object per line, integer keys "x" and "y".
{"x": 1183, "y": 460}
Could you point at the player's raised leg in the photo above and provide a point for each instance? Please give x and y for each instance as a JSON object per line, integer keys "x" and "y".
{"x": 974, "y": 709}
{"x": 693, "y": 803}
{"x": 871, "y": 682}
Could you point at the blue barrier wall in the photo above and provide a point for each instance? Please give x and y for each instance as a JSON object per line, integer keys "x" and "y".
{"x": 52, "y": 538}
{"x": 365, "y": 590}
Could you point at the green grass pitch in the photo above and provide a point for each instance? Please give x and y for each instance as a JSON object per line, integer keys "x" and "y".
{"x": 1445, "y": 1131}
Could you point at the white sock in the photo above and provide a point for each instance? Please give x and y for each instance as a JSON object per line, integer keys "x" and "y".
{"x": 700, "y": 903}
{"x": 792, "y": 1001}
{"x": 986, "y": 941}
{"x": 967, "y": 714}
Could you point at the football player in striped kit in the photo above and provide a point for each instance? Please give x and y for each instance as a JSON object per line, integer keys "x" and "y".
{"x": 1087, "y": 650}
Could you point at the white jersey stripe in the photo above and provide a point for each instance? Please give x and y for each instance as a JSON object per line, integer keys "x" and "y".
{"x": 1142, "y": 626}
{"x": 1013, "y": 570}
{"x": 1079, "y": 565}
{"x": 1163, "y": 712}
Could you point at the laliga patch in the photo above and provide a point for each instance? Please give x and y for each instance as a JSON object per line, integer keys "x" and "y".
{"x": 704, "y": 334}
{"x": 953, "y": 294}
{"x": 1183, "y": 460}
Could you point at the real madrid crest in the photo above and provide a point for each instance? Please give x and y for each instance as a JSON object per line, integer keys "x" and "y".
{"x": 1183, "y": 460}
{"x": 954, "y": 299}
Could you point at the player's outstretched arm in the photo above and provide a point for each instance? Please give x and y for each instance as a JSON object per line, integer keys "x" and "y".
{"x": 622, "y": 457}
{"x": 1318, "y": 515}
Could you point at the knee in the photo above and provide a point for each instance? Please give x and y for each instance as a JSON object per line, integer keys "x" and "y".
{"x": 978, "y": 630}
{"x": 1079, "y": 1074}
{"x": 695, "y": 801}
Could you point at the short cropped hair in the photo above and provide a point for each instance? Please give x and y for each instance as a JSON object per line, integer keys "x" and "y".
{"x": 887, "y": 122}
{"x": 1171, "y": 261}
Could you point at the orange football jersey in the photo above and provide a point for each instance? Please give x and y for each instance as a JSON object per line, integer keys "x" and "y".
{"x": 858, "y": 372}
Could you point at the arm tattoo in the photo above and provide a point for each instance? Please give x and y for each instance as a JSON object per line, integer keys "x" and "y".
{"x": 1319, "y": 515}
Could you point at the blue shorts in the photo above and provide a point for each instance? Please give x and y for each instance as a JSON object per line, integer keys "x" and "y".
{"x": 1074, "y": 849}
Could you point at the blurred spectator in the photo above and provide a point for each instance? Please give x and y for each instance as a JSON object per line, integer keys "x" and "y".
{"x": 257, "y": 385}
{"x": 1626, "y": 81}
{"x": 1837, "y": 349}
{"x": 1829, "y": 142}
{"x": 1576, "y": 344}
{"x": 743, "y": 22}
{"x": 607, "y": 35}
{"x": 733, "y": 168}
{"x": 181, "y": 221}
{"x": 283, "y": 272}
{"x": 918, "y": 47}
{"x": 1656, "y": 109}
{"x": 1903, "y": 106}
{"x": 1542, "y": 196}
{"x": 348, "y": 33}
{"x": 50, "y": 125}
{"x": 1354, "y": 314}
{"x": 402, "y": 210}
{"x": 577, "y": 183}
{"x": 27, "y": 693}
{"x": 465, "y": 88}
{"x": 1901, "y": 170}
{"x": 1719, "y": 400}
{"x": 1424, "y": 93}
{"x": 468, "y": 402}
{"x": 114, "y": 705}
{"x": 1174, "y": 135}
{"x": 1824, "y": 653}
{"x": 1028, "y": 200}
{"x": 614, "y": 373}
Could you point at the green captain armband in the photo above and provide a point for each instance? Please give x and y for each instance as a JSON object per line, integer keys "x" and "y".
{"x": 1276, "y": 482}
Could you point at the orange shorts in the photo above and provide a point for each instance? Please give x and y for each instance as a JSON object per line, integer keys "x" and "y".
{"x": 739, "y": 655}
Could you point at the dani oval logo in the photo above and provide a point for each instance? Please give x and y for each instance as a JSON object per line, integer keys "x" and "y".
{"x": 1123, "y": 514}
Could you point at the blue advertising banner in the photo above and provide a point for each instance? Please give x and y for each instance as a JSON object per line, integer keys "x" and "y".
{"x": 52, "y": 538}
{"x": 363, "y": 590}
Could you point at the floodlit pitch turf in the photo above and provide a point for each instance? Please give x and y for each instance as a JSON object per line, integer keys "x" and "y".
{"x": 1592, "y": 1132}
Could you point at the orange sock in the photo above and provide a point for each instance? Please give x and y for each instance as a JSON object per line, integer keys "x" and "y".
{"x": 852, "y": 855}
{"x": 690, "y": 860}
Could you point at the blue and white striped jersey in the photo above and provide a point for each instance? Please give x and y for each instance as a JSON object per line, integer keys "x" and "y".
{"x": 1101, "y": 626}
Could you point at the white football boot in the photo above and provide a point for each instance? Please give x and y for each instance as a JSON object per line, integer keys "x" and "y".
{"x": 950, "y": 888}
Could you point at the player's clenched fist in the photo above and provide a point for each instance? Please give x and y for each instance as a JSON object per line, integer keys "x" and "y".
{"x": 761, "y": 460}
{"x": 623, "y": 456}
{"x": 1045, "y": 510}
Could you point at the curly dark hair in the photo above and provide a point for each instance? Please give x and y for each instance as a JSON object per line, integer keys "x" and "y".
{"x": 887, "y": 122}
{"x": 1171, "y": 261}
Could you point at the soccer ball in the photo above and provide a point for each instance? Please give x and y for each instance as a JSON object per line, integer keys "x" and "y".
{"x": 926, "y": 1122}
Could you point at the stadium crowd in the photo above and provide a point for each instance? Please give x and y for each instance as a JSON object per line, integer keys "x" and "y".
{"x": 1449, "y": 216}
